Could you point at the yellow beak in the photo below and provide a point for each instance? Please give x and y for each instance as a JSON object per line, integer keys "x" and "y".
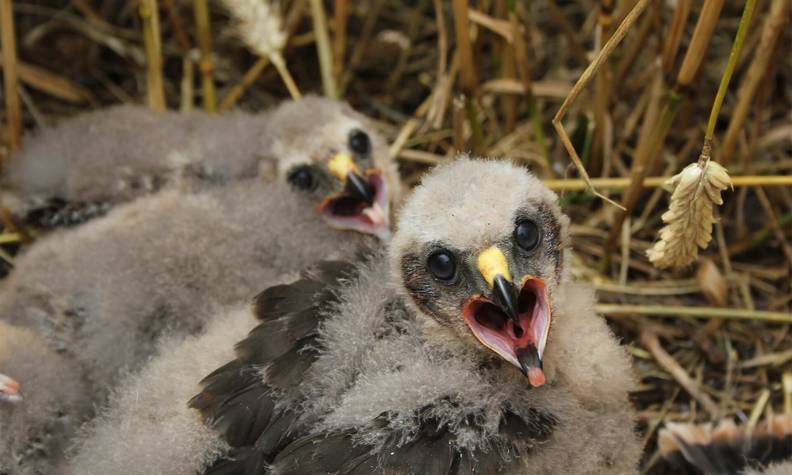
{"x": 341, "y": 165}
{"x": 491, "y": 263}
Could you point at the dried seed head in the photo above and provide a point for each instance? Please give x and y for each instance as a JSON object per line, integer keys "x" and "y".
{"x": 259, "y": 25}
{"x": 689, "y": 219}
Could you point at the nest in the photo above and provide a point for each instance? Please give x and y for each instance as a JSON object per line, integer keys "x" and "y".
{"x": 710, "y": 341}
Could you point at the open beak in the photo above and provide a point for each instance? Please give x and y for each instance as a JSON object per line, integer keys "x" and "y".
{"x": 357, "y": 187}
{"x": 363, "y": 204}
{"x": 9, "y": 389}
{"x": 513, "y": 321}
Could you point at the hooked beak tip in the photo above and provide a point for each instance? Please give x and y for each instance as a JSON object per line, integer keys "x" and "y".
{"x": 531, "y": 364}
{"x": 358, "y": 188}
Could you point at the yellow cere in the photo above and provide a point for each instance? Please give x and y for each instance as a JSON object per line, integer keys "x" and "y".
{"x": 341, "y": 165}
{"x": 491, "y": 262}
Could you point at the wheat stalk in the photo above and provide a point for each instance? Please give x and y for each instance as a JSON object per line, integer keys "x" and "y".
{"x": 689, "y": 219}
{"x": 260, "y": 27}
{"x": 206, "y": 65}
{"x": 697, "y": 188}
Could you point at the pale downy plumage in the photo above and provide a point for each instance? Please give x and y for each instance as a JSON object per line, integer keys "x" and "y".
{"x": 130, "y": 151}
{"x": 103, "y": 293}
{"x": 147, "y": 412}
{"x": 383, "y": 374}
{"x": 50, "y": 411}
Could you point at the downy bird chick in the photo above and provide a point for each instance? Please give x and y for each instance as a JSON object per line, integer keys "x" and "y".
{"x": 78, "y": 169}
{"x": 727, "y": 449}
{"x": 486, "y": 358}
{"x": 477, "y": 356}
{"x": 9, "y": 389}
{"x": 102, "y": 294}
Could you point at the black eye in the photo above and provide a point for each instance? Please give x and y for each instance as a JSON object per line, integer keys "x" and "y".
{"x": 359, "y": 142}
{"x": 442, "y": 265}
{"x": 302, "y": 178}
{"x": 527, "y": 235}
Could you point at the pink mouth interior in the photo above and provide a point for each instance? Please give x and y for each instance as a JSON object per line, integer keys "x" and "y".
{"x": 493, "y": 328}
{"x": 345, "y": 212}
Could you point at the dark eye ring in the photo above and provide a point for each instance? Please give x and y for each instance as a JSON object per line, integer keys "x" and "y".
{"x": 527, "y": 235}
{"x": 442, "y": 264}
{"x": 302, "y": 178}
{"x": 359, "y": 142}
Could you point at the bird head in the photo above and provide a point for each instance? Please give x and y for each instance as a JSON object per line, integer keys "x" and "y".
{"x": 332, "y": 156}
{"x": 9, "y": 389}
{"x": 479, "y": 250}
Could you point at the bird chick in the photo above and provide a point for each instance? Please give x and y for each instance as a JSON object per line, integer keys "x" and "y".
{"x": 478, "y": 356}
{"x": 52, "y": 392}
{"x": 101, "y": 295}
{"x": 725, "y": 448}
{"x": 9, "y": 389}
{"x": 77, "y": 170}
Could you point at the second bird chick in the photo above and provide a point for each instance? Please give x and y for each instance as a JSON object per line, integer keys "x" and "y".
{"x": 101, "y": 295}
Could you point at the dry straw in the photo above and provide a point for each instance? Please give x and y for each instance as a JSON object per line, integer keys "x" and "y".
{"x": 13, "y": 108}
{"x": 260, "y": 26}
{"x": 149, "y": 13}
{"x": 203, "y": 30}
{"x": 697, "y": 188}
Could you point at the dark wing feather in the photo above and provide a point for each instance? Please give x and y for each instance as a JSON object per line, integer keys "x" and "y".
{"x": 276, "y": 336}
{"x": 305, "y": 293}
{"x": 287, "y": 371}
{"x": 240, "y": 461}
{"x": 235, "y": 399}
{"x": 279, "y": 433}
{"x": 312, "y": 454}
{"x": 727, "y": 449}
{"x": 236, "y": 404}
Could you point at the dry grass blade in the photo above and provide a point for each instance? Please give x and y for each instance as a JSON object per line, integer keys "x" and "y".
{"x": 668, "y": 363}
{"x": 680, "y": 311}
{"x": 467, "y": 70}
{"x": 689, "y": 219}
{"x": 620, "y": 184}
{"x": 590, "y": 71}
{"x": 53, "y": 84}
{"x": 13, "y": 108}
{"x": 776, "y": 19}
{"x": 205, "y": 45}
{"x": 149, "y": 13}
{"x": 323, "y": 48}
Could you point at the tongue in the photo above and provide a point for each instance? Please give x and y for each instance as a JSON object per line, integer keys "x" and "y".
{"x": 375, "y": 214}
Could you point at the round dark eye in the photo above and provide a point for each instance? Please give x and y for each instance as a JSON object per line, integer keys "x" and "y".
{"x": 302, "y": 178}
{"x": 359, "y": 142}
{"x": 442, "y": 265}
{"x": 527, "y": 235}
